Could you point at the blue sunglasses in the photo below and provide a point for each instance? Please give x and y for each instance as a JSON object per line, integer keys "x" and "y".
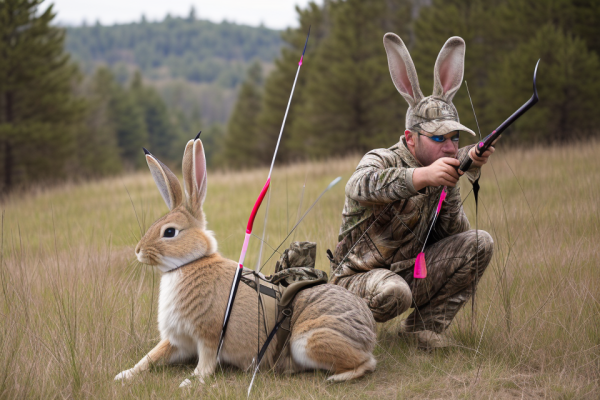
{"x": 441, "y": 139}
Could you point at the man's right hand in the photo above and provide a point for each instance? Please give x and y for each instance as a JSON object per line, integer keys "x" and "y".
{"x": 441, "y": 173}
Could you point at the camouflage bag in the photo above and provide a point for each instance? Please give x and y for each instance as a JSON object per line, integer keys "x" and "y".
{"x": 297, "y": 264}
{"x": 294, "y": 272}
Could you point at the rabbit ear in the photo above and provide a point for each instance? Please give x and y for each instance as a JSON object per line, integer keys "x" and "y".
{"x": 402, "y": 69}
{"x": 194, "y": 177}
{"x": 449, "y": 69}
{"x": 166, "y": 181}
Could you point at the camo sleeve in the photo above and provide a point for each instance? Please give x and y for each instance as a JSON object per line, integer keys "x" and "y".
{"x": 378, "y": 179}
{"x": 473, "y": 173}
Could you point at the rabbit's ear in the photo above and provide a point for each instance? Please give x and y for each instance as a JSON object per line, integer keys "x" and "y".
{"x": 449, "y": 69}
{"x": 402, "y": 69}
{"x": 166, "y": 181}
{"x": 194, "y": 177}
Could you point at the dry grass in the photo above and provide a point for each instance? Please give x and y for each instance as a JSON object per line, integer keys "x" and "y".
{"x": 76, "y": 308}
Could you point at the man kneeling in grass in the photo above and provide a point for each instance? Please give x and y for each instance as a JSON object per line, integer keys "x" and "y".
{"x": 392, "y": 197}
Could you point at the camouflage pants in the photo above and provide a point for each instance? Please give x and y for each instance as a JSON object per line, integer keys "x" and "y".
{"x": 453, "y": 269}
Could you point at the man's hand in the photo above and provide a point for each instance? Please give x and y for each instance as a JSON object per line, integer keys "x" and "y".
{"x": 441, "y": 173}
{"x": 479, "y": 161}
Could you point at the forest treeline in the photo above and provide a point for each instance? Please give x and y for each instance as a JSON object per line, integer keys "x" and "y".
{"x": 189, "y": 48}
{"x": 192, "y": 63}
{"x": 57, "y": 123}
{"x": 88, "y": 114}
{"x": 70, "y": 117}
{"x": 345, "y": 101}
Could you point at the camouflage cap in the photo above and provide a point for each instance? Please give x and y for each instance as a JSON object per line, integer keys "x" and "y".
{"x": 434, "y": 116}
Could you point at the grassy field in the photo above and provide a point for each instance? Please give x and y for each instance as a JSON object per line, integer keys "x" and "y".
{"x": 76, "y": 308}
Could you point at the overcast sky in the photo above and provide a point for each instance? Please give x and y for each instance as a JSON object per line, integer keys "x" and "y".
{"x": 276, "y": 14}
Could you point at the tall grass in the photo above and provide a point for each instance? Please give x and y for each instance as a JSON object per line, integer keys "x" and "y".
{"x": 76, "y": 308}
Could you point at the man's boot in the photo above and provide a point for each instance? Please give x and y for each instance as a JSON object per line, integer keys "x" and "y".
{"x": 425, "y": 340}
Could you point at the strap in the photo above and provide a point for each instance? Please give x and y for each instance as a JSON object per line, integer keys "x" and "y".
{"x": 263, "y": 289}
{"x": 285, "y": 314}
{"x": 291, "y": 291}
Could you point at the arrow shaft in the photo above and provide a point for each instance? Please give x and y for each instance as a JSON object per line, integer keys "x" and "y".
{"x": 287, "y": 109}
{"x": 435, "y": 216}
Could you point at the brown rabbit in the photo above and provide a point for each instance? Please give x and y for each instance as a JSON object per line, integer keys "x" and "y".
{"x": 331, "y": 328}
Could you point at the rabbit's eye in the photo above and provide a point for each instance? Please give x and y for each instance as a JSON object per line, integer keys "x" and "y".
{"x": 170, "y": 232}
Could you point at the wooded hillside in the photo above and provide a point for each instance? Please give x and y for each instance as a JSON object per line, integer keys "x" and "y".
{"x": 188, "y": 48}
{"x": 80, "y": 102}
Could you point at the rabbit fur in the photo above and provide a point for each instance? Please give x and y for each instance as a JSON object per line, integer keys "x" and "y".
{"x": 331, "y": 328}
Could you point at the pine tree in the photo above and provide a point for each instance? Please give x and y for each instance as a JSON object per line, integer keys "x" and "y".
{"x": 38, "y": 112}
{"x": 186, "y": 127}
{"x": 162, "y": 135}
{"x": 587, "y": 23}
{"x": 97, "y": 146}
{"x": 568, "y": 86}
{"x": 212, "y": 138}
{"x": 350, "y": 102}
{"x": 127, "y": 118}
{"x": 279, "y": 84}
{"x": 241, "y": 145}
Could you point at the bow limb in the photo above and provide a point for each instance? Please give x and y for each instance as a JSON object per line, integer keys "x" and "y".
{"x": 484, "y": 144}
{"x": 261, "y": 196}
{"x": 250, "y": 224}
{"x": 238, "y": 271}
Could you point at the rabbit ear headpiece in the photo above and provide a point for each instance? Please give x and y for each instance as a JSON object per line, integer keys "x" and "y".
{"x": 434, "y": 114}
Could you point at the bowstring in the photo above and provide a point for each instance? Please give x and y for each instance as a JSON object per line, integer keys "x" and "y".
{"x": 476, "y": 197}
{"x": 473, "y": 108}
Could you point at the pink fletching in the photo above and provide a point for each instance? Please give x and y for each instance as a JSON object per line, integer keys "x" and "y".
{"x": 300, "y": 62}
{"x": 420, "y": 267}
{"x": 442, "y": 198}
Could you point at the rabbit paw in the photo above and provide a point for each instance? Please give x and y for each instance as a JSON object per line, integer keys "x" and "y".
{"x": 188, "y": 382}
{"x": 125, "y": 375}
{"x": 185, "y": 383}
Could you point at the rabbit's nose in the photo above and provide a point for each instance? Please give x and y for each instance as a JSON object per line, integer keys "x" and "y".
{"x": 138, "y": 248}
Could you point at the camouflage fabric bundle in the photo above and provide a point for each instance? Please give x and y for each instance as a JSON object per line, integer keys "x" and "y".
{"x": 294, "y": 272}
{"x": 297, "y": 264}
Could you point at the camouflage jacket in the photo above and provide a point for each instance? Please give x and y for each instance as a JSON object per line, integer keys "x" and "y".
{"x": 380, "y": 193}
